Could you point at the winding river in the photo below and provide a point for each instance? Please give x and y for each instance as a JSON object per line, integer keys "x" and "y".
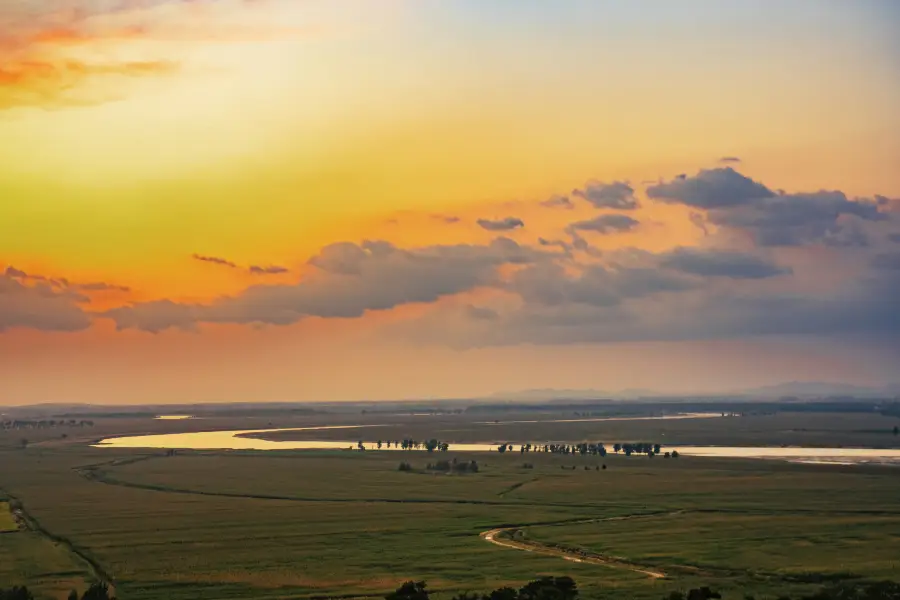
{"x": 241, "y": 440}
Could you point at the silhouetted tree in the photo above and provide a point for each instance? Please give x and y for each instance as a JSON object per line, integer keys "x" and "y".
{"x": 16, "y": 593}
{"x": 411, "y": 590}
{"x": 504, "y": 593}
{"x": 466, "y": 596}
{"x": 617, "y": 448}
{"x": 97, "y": 591}
{"x": 549, "y": 588}
{"x": 675, "y": 454}
{"x": 703, "y": 593}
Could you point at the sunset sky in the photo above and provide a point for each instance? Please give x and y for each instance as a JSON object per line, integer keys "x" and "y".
{"x": 292, "y": 200}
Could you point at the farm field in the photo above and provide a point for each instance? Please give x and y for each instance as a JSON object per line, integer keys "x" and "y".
{"x": 305, "y": 524}
{"x": 7, "y": 522}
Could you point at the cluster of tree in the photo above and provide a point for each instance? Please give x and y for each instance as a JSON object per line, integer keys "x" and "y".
{"x": 19, "y": 424}
{"x": 97, "y": 591}
{"x": 564, "y": 588}
{"x": 701, "y": 593}
{"x": 408, "y": 444}
{"x": 544, "y": 588}
{"x": 878, "y": 590}
{"x": 455, "y": 466}
{"x": 585, "y": 448}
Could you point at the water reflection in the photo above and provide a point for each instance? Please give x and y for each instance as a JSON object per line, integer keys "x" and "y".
{"x": 239, "y": 440}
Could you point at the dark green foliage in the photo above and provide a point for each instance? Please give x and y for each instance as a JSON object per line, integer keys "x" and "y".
{"x": 880, "y": 590}
{"x": 504, "y": 593}
{"x": 97, "y": 591}
{"x": 544, "y": 588}
{"x": 16, "y": 593}
{"x": 703, "y": 593}
{"x": 455, "y": 466}
{"x": 405, "y": 466}
{"x": 411, "y": 590}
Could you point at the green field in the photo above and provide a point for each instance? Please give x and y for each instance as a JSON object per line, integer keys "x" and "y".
{"x": 267, "y": 525}
{"x": 7, "y": 522}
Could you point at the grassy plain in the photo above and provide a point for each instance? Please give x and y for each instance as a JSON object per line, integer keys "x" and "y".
{"x": 7, "y": 522}
{"x": 267, "y": 525}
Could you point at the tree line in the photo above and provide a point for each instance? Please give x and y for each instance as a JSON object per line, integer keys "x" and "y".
{"x": 551, "y": 588}
{"x": 409, "y": 444}
{"x": 593, "y": 449}
{"x": 445, "y": 466}
{"x": 97, "y": 591}
{"x": 565, "y": 588}
{"x": 18, "y": 424}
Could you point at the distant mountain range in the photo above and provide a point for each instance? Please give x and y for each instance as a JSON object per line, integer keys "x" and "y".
{"x": 798, "y": 389}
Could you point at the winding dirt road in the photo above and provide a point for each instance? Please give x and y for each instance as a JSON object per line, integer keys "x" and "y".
{"x": 503, "y": 536}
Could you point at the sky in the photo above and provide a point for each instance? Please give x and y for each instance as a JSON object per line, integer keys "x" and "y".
{"x": 300, "y": 200}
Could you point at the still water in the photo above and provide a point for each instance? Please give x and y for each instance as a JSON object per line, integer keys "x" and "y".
{"x": 238, "y": 440}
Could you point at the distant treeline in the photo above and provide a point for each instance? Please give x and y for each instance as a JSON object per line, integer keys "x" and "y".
{"x": 19, "y": 424}
{"x": 409, "y": 444}
{"x": 564, "y": 588}
{"x": 554, "y": 588}
{"x": 613, "y": 408}
{"x": 97, "y": 591}
{"x": 584, "y": 448}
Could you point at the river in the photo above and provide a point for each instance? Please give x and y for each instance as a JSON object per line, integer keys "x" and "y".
{"x": 240, "y": 440}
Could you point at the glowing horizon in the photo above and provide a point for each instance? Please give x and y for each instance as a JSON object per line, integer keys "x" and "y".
{"x": 264, "y": 199}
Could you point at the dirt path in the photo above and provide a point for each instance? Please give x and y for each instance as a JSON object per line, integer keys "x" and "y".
{"x": 504, "y": 537}
{"x": 29, "y": 522}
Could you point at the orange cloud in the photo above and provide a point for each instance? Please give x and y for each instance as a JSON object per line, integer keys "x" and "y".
{"x": 50, "y": 83}
{"x": 38, "y": 66}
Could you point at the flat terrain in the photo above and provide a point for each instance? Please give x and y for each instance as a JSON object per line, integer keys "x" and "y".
{"x": 7, "y": 522}
{"x": 266, "y": 525}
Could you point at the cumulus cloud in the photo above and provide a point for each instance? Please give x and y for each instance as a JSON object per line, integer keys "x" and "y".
{"x": 618, "y": 195}
{"x": 253, "y": 269}
{"x": 827, "y": 217}
{"x": 888, "y": 261}
{"x": 62, "y": 283}
{"x": 710, "y": 188}
{"x": 721, "y": 263}
{"x": 268, "y": 270}
{"x": 699, "y": 222}
{"x": 507, "y": 224}
{"x": 605, "y": 224}
{"x": 39, "y": 306}
{"x": 549, "y": 284}
{"x": 448, "y": 219}
{"x": 348, "y": 280}
{"x": 773, "y": 218}
{"x": 481, "y": 313}
{"x": 558, "y": 201}
{"x": 214, "y": 260}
